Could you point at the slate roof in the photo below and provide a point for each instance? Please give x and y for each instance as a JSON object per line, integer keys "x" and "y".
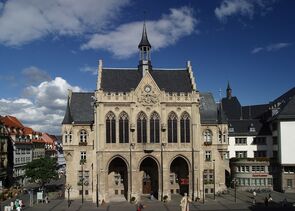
{"x": 231, "y": 107}
{"x": 242, "y": 127}
{"x": 209, "y": 112}
{"x": 80, "y": 109}
{"x": 241, "y": 118}
{"x": 288, "y": 110}
{"x": 286, "y": 105}
{"x": 124, "y": 80}
{"x": 255, "y": 111}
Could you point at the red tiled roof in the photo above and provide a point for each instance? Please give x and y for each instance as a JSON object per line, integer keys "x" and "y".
{"x": 11, "y": 121}
{"x": 28, "y": 131}
{"x": 38, "y": 141}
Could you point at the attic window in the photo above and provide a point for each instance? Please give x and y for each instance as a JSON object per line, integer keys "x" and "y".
{"x": 230, "y": 128}
{"x": 252, "y": 128}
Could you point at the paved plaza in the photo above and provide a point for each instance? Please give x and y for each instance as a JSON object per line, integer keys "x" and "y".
{"x": 222, "y": 202}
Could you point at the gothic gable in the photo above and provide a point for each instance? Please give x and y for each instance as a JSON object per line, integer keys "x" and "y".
{"x": 147, "y": 91}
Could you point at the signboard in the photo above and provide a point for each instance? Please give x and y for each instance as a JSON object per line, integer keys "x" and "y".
{"x": 39, "y": 196}
{"x": 184, "y": 181}
{"x": 259, "y": 175}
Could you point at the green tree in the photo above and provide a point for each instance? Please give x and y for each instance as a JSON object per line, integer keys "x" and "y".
{"x": 42, "y": 170}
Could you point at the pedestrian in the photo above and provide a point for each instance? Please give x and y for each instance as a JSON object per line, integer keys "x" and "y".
{"x": 184, "y": 203}
{"x": 254, "y": 194}
{"x": 269, "y": 198}
{"x": 11, "y": 205}
{"x": 21, "y": 203}
{"x": 140, "y": 206}
{"x": 266, "y": 201}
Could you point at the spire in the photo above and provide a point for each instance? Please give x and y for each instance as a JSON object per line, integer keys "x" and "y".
{"x": 144, "y": 53}
{"x": 228, "y": 91}
{"x": 68, "y": 117}
{"x": 144, "y": 39}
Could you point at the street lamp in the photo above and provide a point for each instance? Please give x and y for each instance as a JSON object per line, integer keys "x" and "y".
{"x": 68, "y": 188}
{"x": 235, "y": 182}
{"x": 203, "y": 186}
{"x": 130, "y": 151}
{"x": 162, "y": 170}
{"x": 214, "y": 179}
{"x": 82, "y": 161}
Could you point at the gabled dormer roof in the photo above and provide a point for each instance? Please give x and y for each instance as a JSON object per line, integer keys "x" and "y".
{"x": 68, "y": 117}
{"x": 80, "y": 109}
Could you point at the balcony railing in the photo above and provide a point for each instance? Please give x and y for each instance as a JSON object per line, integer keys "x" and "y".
{"x": 82, "y": 143}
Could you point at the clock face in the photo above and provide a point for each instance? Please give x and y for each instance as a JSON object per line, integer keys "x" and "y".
{"x": 147, "y": 88}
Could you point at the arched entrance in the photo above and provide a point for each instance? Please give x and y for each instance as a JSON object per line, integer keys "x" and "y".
{"x": 179, "y": 176}
{"x": 150, "y": 178}
{"x": 118, "y": 179}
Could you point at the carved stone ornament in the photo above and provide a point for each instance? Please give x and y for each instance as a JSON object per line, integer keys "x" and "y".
{"x": 148, "y": 98}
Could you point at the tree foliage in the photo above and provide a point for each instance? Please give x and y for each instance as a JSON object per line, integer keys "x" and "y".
{"x": 42, "y": 170}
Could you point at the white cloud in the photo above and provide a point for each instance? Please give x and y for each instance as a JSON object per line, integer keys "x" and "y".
{"x": 123, "y": 41}
{"x": 246, "y": 8}
{"x": 89, "y": 69}
{"x": 44, "y": 107}
{"x": 231, "y": 7}
{"x": 256, "y": 50}
{"x": 24, "y": 21}
{"x": 271, "y": 47}
{"x": 277, "y": 46}
{"x": 34, "y": 75}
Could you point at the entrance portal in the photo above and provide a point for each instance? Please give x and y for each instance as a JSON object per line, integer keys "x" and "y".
{"x": 118, "y": 179}
{"x": 179, "y": 175}
{"x": 150, "y": 177}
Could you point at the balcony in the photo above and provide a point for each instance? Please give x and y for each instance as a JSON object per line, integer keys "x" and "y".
{"x": 207, "y": 143}
{"x": 82, "y": 143}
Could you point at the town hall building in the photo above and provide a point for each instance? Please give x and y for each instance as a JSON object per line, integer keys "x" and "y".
{"x": 144, "y": 131}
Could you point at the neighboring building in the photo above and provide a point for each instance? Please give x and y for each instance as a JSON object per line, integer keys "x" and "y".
{"x": 38, "y": 143}
{"x": 250, "y": 143}
{"x": 283, "y": 131}
{"x": 21, "y": 148}
{"x": 4, "y": 140}
{"x": 50, "y": 146}
{"x": 144, "y": 130}
{"x": 61, "y": 162}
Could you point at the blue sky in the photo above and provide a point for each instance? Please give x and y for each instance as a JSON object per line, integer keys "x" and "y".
{"x": 47, "y": 47}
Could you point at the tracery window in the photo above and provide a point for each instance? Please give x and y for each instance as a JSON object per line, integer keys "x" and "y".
{"x": 207, "y": 135}
{"x": 141, "y": 128}
{"x": 155, "y": 128}
{"x": 83, "y": 136}
{"x": 185, "y": 128}
{"x": 172, "y": 128}
{"x": 123, "y": 128}
{"x": 110, "y": 128}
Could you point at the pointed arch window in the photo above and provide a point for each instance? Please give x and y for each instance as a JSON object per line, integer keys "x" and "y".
{"x": 172, "y": 128}
{"x": 123, "y": 128}
{"x": 141, "y": 128}
{"x": 155, "y": 128}
{"x": 110, "y": 128}
{"x": 83, "y": 136}
{"x": 185, "y": 128}
{"x": 207, "y": 135}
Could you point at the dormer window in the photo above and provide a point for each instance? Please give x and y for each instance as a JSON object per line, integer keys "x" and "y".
{"x": 252, "y": 128}
{"x": 231, "y": 128}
